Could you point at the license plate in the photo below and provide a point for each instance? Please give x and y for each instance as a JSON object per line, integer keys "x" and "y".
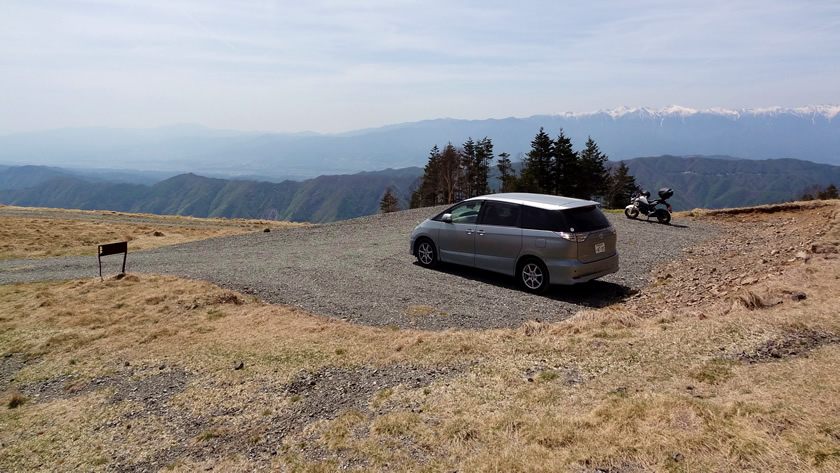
{"x": 600, "y": 247}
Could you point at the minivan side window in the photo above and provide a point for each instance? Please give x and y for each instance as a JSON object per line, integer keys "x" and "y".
{"x": 501, "y": 214}
{"x": 466, "y": 212}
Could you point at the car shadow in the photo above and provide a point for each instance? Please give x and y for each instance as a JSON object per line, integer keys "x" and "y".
{"x": 595, "y": 294}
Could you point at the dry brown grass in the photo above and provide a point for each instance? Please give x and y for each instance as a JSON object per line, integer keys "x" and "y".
{"x": 758, "y": 212}
{"x": 72, "y": 233}
{"x": 607, "y": 390}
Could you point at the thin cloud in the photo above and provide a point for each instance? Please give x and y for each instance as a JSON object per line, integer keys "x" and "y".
{"x": 467, "y": 59}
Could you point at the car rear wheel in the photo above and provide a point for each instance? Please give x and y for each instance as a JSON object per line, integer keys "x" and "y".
{"x": 427, "y": 253}
{"x": 533, "y": 275}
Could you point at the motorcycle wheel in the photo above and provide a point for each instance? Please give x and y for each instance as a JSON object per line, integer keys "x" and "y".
{"x": 632, "y": 212}
{"x": 663, "y": 216}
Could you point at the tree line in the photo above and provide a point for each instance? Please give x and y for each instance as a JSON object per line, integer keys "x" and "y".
{"x": 552, "y": 166}
{"x": 816, "y": 192}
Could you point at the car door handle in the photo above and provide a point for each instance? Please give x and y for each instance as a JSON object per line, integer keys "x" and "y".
{"x": 469, "y": 231}
{"x": 480, "y": 232}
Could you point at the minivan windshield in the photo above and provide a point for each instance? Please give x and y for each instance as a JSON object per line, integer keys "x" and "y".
{"x": 579, "y": 219}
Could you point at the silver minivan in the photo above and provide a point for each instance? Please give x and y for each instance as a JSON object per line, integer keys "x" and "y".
{"x": 540, "y": 239}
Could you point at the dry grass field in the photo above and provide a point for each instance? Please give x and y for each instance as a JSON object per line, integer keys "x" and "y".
{"x": 57, "y": 232}
{"x": 726, "y": 369}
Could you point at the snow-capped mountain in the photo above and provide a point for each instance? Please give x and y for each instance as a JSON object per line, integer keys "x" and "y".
{"x": 809, "y": 133}
{"x": 827, "y": 111}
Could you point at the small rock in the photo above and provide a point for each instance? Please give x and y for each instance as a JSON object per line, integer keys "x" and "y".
{"x": 239, "y": 365}
{"x": 162, "y": 367}
{"x": 678, "y": 457}
{"x": 798, "y": 296}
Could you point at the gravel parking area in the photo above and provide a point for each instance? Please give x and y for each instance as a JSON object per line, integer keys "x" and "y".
{"x": 360, "y": 270}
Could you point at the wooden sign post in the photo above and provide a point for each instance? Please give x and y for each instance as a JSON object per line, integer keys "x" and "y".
{"x": 113, "y": 249}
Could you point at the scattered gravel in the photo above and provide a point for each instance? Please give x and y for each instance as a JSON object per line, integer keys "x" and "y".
{"x": 790, "y": 345}
{"x": 359, "y": 270}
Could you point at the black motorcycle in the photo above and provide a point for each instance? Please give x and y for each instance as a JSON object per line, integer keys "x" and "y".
{"x": 639, "y": 204}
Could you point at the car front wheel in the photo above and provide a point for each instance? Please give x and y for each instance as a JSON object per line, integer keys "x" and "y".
{"x": 427, "y": 254}
{"x": 533, "y": 276}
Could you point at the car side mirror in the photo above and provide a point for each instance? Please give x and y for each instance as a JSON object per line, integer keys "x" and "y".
{"x": 446, "y": 218}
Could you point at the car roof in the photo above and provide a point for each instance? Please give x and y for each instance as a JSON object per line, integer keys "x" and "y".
{"x": 544, "y": 201}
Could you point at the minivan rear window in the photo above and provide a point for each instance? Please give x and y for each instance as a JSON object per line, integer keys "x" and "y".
{"x": 579, "y": 219}
{"x": 585, "y": 219}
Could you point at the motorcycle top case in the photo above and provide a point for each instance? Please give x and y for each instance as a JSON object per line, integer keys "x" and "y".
{"x": 666, "y": 193}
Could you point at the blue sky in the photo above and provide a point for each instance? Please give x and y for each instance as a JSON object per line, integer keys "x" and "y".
{"x": 331, "y": 66}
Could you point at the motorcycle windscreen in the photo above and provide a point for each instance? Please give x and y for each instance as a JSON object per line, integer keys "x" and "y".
{"x": 600, "y": 240}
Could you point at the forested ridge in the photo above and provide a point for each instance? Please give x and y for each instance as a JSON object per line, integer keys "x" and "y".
{"x": 552, "y": 166}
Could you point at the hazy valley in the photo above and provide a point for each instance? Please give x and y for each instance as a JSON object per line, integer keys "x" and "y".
{"x": 699, "y": 182}
{"x": 808, "y": 133}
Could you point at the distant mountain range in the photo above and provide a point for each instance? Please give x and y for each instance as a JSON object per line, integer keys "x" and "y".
{"x": 808, "y": 133}
{"x": 698, "y": 182}
{"x": 721, "y": 182}
{"x": 323, "y": 199}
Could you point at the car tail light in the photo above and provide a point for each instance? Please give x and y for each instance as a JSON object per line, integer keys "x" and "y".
{"x": 578, "y": 237}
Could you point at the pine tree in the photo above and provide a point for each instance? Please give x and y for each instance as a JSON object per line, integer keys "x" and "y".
{"x": 565, "y": 166}
{"x": 469, "y": 168}
{"x": 389, "y": 202}
{"x": 415, "y": 200}
{"x": 449, "y": 175}
{"x": 430, "y": 191}
{"x": 507, "y": 175}
{"x": 483, "y": 157}
{"x": 593, "y": 178}
{"x": 537, "y": 172}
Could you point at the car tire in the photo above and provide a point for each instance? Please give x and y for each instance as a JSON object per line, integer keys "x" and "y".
{"x": 663, "y": 216}
{"x": 533, "y": 276}
{"x": 426, "y": 253}
{"x": 631, "y": 212}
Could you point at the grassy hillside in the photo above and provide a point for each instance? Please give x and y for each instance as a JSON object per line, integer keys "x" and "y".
{"x": 53, "y": 232}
